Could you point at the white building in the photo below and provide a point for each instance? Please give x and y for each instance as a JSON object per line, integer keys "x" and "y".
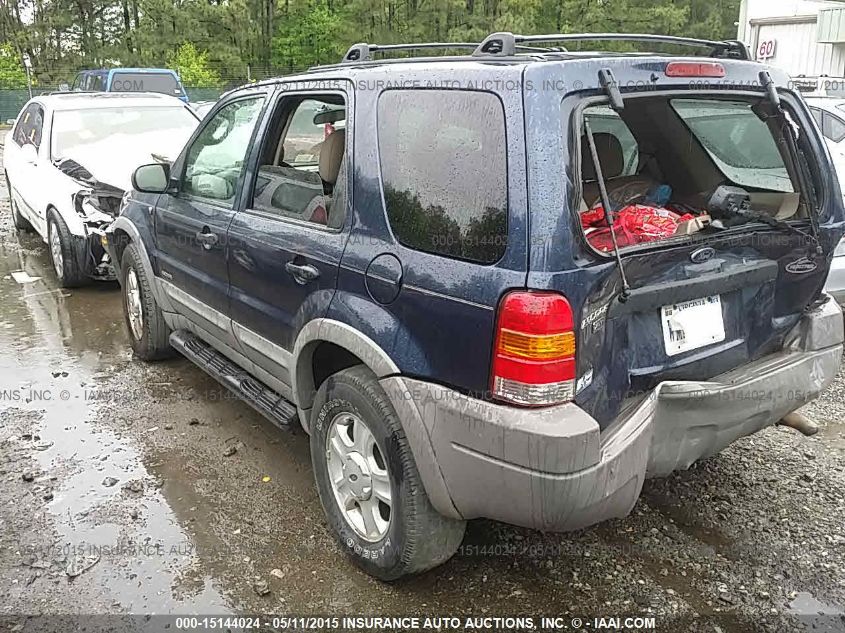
{"x": 804, "y": 37}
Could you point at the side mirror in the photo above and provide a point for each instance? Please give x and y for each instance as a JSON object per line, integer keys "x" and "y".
{"x": 29, "y": 154}
{"x": 154, "y": 178}
{"x": 64, "y": 87}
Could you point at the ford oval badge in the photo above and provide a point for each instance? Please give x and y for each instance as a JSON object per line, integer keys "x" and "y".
{"x": 801, "y": 266}
{"x": 701, "y": 255}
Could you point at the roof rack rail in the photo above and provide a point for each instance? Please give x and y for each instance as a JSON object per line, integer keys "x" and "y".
{"x": 506, "y": 44}
{"x": 363, "y": 52}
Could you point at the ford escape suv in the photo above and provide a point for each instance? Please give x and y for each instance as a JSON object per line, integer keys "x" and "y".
{"x": 511, "y": 283}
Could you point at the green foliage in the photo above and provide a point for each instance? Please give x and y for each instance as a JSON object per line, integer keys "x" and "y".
{"x": 193, "y": 67}
{"x": 12, "y": 73}
{"x": 311, "y": 34}
{"x": 214, "y": 42}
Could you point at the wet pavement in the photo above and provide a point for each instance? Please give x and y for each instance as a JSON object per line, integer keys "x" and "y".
{"x": 118, "y": 494}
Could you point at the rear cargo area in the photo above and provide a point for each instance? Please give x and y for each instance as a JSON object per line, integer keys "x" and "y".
{"x": 663, "y": 160}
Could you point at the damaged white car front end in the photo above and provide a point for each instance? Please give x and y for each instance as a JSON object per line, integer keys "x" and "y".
{"x": 96, "y": 204}
{"x": 68, "y": 163}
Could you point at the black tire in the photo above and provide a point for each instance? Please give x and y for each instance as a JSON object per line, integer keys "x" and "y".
{"x": 21, "y": 223}
{"x": 70, "y": 275}
{"x": 154, "y": 341}
{"x": 418, "y": 538}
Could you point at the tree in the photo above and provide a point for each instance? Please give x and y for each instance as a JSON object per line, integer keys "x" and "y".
{"x": 193, "y": 67}
{"x": 228, "y": 36}
{"x": 310, "y": 35}
{"x": 12, "y": 73}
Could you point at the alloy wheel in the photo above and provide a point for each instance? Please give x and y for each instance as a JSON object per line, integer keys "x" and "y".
{"x": 56, "y": 250}
{"x": 359, "y": 478}
{"x": 133, "y": 304}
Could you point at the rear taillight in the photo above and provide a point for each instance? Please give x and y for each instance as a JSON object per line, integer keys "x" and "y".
{"x": 534, "y": 352}
{"x": 695, "y": 69}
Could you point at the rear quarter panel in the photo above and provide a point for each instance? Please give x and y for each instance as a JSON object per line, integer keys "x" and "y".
{"x": 440, "y": 326}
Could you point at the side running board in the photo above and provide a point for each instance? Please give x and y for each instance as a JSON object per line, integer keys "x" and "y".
{"x": 254, "y": 392}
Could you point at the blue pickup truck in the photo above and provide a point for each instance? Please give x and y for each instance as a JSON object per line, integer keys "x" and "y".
{"x": 161, "y": 80}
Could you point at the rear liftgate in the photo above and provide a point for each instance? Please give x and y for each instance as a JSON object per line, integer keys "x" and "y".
{"x": 691, "y": 312}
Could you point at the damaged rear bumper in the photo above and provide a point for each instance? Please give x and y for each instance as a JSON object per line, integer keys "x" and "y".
{"x": 554, "y": 469}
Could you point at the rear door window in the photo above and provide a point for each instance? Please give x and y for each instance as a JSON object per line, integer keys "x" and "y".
{"x": 739, "y": 143}
{"x": 295, "y": 179}
{"x": 29, "y": 127}
{"x": 444, "y": 171}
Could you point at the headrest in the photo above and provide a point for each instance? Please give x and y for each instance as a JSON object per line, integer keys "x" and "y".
{"x": 331, "y": 153}
{"x": 610, "y": 156}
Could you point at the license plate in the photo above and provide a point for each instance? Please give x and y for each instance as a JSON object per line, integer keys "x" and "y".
{"x": 692, "y": 324}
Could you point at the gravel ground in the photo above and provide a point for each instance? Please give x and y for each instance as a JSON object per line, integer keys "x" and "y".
{"x": 120, "y": 492}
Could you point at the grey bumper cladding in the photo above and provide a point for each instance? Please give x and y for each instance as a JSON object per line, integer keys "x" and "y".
{"x": 553, "y": 469}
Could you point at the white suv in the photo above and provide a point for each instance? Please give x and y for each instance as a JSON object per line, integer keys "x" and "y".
{"x": 68, "y": 161}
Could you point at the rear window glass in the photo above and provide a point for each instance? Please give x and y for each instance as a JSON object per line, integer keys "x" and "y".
{"x": 737, "y": 140}
{"x": 444, "y": 172}
{"x": 164, "y": 83}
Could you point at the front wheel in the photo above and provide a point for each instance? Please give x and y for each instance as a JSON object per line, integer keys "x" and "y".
{"x": 62, "y": 254}
{"x": 148, "y": 332}
{"x": 368, "y": 482}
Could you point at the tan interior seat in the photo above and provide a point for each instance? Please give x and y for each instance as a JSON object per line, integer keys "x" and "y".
{"x": 307, "y": 194}
{"x": 331, "y": 154}
{"x": 612, "y": 161}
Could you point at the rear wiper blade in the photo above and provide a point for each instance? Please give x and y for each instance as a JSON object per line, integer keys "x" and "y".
{"x": 764, "y": 218}
{"x": 730, "y": 206}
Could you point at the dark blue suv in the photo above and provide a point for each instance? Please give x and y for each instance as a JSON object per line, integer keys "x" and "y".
{"x": 508, "y": 284}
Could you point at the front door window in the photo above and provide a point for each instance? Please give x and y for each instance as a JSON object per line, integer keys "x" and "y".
{"x": 215, "y": 160}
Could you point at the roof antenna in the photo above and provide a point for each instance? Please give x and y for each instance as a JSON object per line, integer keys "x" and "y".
{"x": 608, "y": 213}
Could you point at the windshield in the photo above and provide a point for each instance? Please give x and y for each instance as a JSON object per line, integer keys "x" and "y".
{"x": 154, "y": 129}
{"x": 737, "y": 140}
{"x": 146, "y": 82}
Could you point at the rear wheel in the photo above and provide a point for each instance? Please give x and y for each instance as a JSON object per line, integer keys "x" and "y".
{"x": 62, "y": 254}
{"x": 368, "y": 482}
{"x": 21, "y": 223}
{"x": 148, "y": 332}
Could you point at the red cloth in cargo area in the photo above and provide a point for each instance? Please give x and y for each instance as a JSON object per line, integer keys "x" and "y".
{"x": 633, "y": 224}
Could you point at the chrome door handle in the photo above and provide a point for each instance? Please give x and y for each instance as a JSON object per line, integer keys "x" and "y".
{"x": 302, "y": 273}
{"x": 206, "y": 238}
